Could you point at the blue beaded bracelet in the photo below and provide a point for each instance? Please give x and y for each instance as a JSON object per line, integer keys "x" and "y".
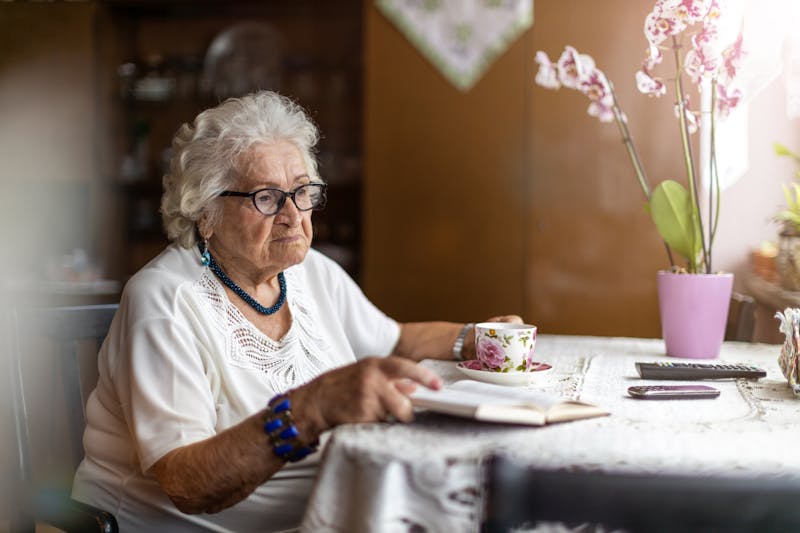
{"x": 282, "y": 432}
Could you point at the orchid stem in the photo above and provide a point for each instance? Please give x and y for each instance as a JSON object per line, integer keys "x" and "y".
{"x": 715, "y": 190}
{"x": 634, "y": 156}
{"x": 629, "y": 146}
{"x": 688, "y": 159}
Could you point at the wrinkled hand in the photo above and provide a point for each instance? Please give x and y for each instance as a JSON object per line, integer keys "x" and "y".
{"x": 370, "y": 390}
{"x": 469, "y": 341}
{"x": 513, "y": 319}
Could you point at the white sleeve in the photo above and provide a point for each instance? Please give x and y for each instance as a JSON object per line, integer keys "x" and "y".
{"x": 369, "y": 331}
{"x": 163, "y": 387}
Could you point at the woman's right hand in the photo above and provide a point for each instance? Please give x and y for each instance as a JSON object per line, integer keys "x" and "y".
{"x": 371, "y": 390}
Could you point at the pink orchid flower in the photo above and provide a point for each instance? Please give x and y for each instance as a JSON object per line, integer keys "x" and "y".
{"x": 693, "y": 10}
{"x": 577, "y": 71}
{"x": 728, "y": 97}
{"x": 573, "y": 67}
{"x": 732, "y": 59}
{"x": 547, "y": 76}
{"x": 649, "y": 85}
{"x": 671, "y": 17}
{"x": 713, "y": 15}
{"x": 602, "y": 105}
{"x": 596, "y": 88}
{"x": 658, "y": 26}
{"x": 602, "y": 109}
{"x": 704, "y": 59}
{"x": 653, "y": 58}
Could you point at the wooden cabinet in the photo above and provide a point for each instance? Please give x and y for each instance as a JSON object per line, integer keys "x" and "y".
{"x": 156, "y": 72}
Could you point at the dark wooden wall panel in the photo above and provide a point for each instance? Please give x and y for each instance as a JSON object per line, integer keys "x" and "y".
{"x": 444, "y": 183}
{"x": 510, "y": 198}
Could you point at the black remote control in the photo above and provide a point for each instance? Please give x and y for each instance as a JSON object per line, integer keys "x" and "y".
{"x": 668, "y": 370}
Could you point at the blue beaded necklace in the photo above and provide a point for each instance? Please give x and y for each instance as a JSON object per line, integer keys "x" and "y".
{"x": 208, "y": 261}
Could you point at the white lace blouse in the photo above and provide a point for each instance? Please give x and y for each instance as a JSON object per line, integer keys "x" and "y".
{"x": 181, "y": 363}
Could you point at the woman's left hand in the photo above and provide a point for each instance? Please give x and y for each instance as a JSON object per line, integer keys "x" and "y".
{"x": 511, "y": 319}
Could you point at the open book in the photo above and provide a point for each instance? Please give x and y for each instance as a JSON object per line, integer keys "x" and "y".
{"x": 495, "y": 403}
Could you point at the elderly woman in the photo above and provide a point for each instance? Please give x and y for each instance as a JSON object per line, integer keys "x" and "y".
{"x": 235, "y": 349}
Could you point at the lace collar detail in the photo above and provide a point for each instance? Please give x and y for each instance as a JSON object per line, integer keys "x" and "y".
{"x": 295, "y": 359}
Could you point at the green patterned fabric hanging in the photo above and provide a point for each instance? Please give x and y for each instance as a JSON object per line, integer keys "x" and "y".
{"x": 462, "y": 38}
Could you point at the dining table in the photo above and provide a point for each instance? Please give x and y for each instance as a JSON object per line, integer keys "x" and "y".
{"x": 428, "y": 475}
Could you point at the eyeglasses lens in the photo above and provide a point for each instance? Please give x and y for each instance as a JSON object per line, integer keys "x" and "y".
{"x": 308, "y": 196}
{"x": 270, "y": 201}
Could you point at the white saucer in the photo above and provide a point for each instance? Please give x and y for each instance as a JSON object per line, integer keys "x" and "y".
{"x": 509, "y": 379}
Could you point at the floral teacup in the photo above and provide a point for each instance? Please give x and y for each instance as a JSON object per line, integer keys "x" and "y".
{"x": 504, "y": 347}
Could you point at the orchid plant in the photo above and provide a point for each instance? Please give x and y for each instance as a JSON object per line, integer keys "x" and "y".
{"x": 790, "y": 216}
{"x": 689, "y": 30}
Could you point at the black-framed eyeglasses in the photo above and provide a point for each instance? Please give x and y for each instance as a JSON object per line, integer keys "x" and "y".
{"x": 269, "y": 201}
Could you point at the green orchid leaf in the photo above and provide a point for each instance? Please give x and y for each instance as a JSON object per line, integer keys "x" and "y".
{"x": 781, "y": 149}
{"x": 671, "y": 210}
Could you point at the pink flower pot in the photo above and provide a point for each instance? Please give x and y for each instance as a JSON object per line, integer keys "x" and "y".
{"x": 694, "y": 311}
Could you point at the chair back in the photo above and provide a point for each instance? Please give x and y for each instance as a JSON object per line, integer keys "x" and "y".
{"x": 48, "y": 386}
{"x": 519, "y": 495}
{"x": 741, "y": 318}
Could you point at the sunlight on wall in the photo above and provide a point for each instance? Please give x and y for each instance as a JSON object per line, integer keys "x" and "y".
{"x": 770, "y": 80}
{"x": 772, "y": 50}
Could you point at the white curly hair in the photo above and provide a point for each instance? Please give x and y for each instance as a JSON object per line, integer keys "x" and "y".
{"x": 209, "y": 154}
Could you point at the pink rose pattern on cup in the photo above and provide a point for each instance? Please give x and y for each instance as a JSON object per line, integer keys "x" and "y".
{"x": 529, "y": 358}
{"x": 472, "y": 364}
{"x": 490, "y": 351}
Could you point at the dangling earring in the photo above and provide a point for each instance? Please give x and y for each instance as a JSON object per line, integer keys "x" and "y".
{"x": 205, "y": 257}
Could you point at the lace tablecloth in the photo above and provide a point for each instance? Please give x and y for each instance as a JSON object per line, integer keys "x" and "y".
{"x": 426, "y": 476}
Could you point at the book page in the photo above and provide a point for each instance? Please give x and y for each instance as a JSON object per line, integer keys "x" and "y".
{"x": 467, "y": 398}
{"x": 478, "y": 406}
{"x": 485, "y": 401}
{"x": 498, "y": 394}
